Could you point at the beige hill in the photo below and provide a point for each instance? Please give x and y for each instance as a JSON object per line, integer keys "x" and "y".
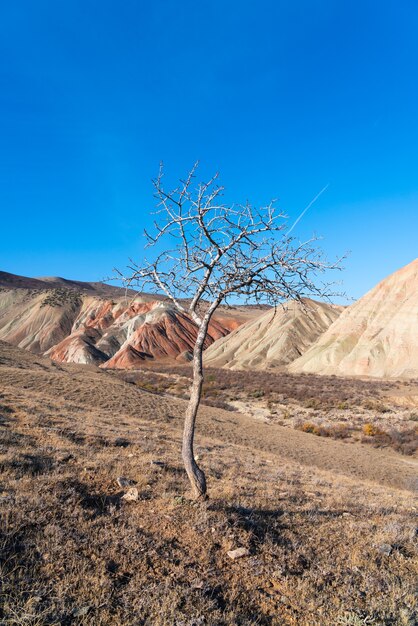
{"x": 36, "y": 320}
{"x": 274, "y": 339}
{"x": 376, "y": 336}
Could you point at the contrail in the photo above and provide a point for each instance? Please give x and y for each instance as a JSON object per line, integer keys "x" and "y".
{"x": 308, "y": 207}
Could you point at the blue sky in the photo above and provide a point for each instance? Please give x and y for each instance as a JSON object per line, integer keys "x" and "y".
{"x": 281, "y": 97}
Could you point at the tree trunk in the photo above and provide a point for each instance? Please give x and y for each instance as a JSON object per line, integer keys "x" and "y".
{"x": 195, "y": 474}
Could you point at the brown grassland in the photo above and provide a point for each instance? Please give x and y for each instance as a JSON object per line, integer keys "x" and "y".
{"x": 329, "y": 525}
{"x": 380, "y": 413}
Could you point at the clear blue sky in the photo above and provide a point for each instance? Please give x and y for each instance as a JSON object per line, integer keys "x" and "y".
{"x": 281, "y": 97}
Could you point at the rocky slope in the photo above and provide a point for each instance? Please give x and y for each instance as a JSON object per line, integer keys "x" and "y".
{"x": 273, "y": 339}
{"x": 376, "y": 336}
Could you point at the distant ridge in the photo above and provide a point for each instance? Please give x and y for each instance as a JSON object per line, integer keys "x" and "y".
{"x": 14, "y": 281}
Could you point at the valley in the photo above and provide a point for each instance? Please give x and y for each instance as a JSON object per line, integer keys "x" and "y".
{"x": 312, "y": 476}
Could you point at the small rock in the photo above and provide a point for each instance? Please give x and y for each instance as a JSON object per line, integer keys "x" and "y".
{"x": 347, "y": 514}
{"x": 158, "y": 463}
{"x": 124, "y": 482}
{"x": 385, "y": 548}
{"x": 131, "y": 495}
{"x": 237, "y": 553}
{"x": 65, "y": 458}
{"x": 80, "y": 612}
{"x": 199, "y": 584}
{"x": 121, "y": 442}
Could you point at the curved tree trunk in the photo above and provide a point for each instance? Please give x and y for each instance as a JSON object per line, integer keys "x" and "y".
{"x": 195, "y": 474}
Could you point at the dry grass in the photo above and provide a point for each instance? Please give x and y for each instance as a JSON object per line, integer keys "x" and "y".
{"x": 325, "y": 392}
{"x": 403, "y": 441}
{"x": 326, "y": 406}
{"x": 323, "y": 549}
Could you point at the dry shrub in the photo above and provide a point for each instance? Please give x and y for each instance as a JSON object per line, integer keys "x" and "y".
{"x": 376, "y": 405}
{"x": 339, "y": 431}
{"x": 403, "y": 441}
{"x": 336, "y": 431}
{"x": 371, "y": 430}
{"x": 308, "y": 427}
{"x": 318, "y": 392}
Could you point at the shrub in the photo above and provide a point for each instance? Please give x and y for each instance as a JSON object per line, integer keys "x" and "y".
{"x": 339, "y": 431}
{"x": 309, "y": 427}
{"x": 312, "y": 403}
{"x": 376, "y": 405}
{"x": 404, "y": 441}
{"x": 371, "y": 430}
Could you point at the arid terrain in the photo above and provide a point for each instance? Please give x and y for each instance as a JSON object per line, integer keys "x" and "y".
{"x": 208, "y": 313}
{"x": 275, "y": 338}
{"x": 95, "y": 323}
{"x": 328, "y": 526}
{"x": 381, "y": 413}
{"x": 376, "y": 336}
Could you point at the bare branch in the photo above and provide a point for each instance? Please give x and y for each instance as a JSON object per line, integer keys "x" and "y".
{"x": 217, "y": 251}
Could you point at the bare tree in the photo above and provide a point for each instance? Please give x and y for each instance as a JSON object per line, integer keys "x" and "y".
{"x": 214, "y": 251}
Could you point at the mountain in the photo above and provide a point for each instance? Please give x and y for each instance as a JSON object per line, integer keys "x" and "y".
{"x": 123, "y": 337}
{"x": 14, "y": 281}
{"x": 376, "y": 336}
{"x": 275, "y": 338}
{"x": 78, "y": 322}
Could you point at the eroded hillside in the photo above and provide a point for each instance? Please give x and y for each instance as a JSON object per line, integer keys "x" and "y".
{"x": 274, "y": 339}
{"x": 79, "y": 323}
{"x": 377, "y": 336}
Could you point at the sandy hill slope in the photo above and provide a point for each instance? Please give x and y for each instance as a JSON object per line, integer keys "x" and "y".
{"x": 273, "y": 339}
{"x": 329, "y": 528}
{"x": 37, "y": 319}
{"x": 376, "y": 336}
